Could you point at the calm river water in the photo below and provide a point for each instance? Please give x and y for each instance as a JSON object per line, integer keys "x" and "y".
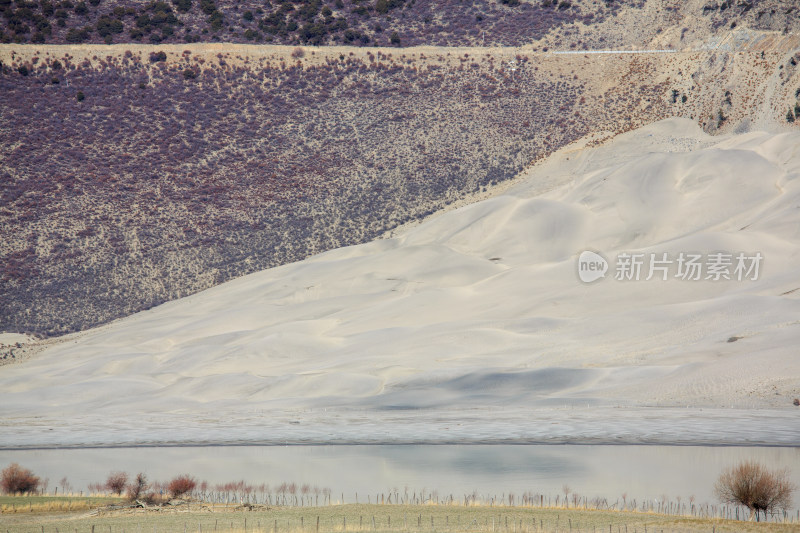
{"x": 650, "y": 472}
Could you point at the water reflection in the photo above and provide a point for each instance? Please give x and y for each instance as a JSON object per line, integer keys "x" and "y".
{"x": 609, "y": 471}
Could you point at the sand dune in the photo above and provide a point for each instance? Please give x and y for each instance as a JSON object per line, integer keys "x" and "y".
{"x": 474, "y": 325}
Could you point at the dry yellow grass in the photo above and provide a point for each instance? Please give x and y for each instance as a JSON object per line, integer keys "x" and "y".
{"x": 381, "y": 518}
{"x": 33, "y": 504}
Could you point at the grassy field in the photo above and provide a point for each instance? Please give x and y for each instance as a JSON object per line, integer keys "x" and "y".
{"x": 355, "y": 518}
{"x": 44, "y": 504}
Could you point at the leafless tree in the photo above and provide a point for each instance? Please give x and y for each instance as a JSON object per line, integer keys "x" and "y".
{"x": 138, "y": 487}
{"x": 116, "y": 482}
{"x": 752, "y": 485}
{"x": 65, "y": 485}
{"x": 181, "y": 485}
{"x": 15, "y": 479}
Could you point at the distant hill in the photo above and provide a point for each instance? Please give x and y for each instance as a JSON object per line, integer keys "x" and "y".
{"x": 568, "y": 24}
{"x": 129, "y": 181}
{"x": 134, "y": 174}
{"x": 310, "y": 22}
{"x": 474, "y": 327}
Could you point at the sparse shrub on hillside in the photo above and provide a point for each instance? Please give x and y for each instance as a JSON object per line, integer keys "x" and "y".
{"x": 106, "y": 26}
{"x": 208, "y": 6}
{"x": 384, "y": 6}
{"x": 754, "y": 486}
{"x": 312, "y": 21}
{"x": 721, "y": 118}
{"x": 183, "y": 6}
{"x": 789, "y": 116}
{"x": 216, "y": 20}
{"x": 77, "y": 36}
{"x": 181, "y": 485}
{"x": 14, "y": 479}
{"x": 226, "y": 210}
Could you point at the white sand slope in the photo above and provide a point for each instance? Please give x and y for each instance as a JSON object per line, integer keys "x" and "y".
{"x": 474, "y": 326}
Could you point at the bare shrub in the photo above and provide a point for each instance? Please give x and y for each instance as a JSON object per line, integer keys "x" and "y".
{"x": 116, "y": 482}
{"x": 298, "y": 52}
{"x": 752, "y": 485}
{"x": 181, "y": 485}
{"x": 137, "y": 489}
{"x": 15, "y": 479}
